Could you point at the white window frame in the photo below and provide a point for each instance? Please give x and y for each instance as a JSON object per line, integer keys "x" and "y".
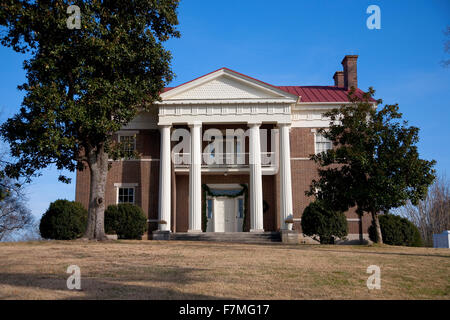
{"x": 315, "y": 142}
{"x": 125, "y": 185}
{"x": 128, "y": 133}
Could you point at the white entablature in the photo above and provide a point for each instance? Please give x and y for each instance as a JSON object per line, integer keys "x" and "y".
{"x": 225, "y": 96}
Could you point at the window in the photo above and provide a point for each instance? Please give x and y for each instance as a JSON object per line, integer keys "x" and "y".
{"x": 322, "y": 143}
{"x": 240, "y": 208}
{"x": 128, "y": 144}
{"x": 209, "y": 206}
{"x": 126, "y": 195}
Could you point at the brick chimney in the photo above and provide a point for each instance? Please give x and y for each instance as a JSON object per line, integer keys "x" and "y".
{"x": 339, "y": 79}
{"x": 350, "y": 73}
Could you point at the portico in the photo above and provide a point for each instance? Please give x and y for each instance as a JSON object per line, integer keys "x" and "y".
{"x": 225, "y": 98}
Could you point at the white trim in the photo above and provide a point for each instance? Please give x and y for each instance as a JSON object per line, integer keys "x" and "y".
{"x": 230, "y": 74}
{"x": 223, "y": 101}
{"x": 266, "y": 171}
{"x": 216, "y": 113}
{"x": 126, "y": 185}
{"x": 131, "y": 133}
{"x": 315, "y": 141}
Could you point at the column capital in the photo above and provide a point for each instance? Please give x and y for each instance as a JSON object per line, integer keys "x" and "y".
{"x": 283, "y": 124}
{"x": 194, "y": 124}
{"x": 254, "y": 123}
{"x": 164, "y": 125}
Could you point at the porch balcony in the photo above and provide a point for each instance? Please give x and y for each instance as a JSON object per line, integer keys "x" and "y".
{"x": 224, "y": 162}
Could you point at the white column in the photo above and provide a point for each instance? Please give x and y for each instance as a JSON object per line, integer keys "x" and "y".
{"x": 195, "y": 180}
{"x": 164, "y": 179}
{"x": 285, "y": 175}
{"x": 256, "y": 198}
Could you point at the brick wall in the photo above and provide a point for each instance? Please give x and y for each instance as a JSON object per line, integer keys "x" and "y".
{"x": 303, "y": 171}
{"x": 146, "y": 174}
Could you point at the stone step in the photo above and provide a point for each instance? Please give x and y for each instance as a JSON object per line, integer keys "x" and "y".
{"x": 226, "y": 236}
{"x": 241, "y": 237}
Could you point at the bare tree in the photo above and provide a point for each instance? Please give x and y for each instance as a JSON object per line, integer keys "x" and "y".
{"x": 14, "y": 215}
{"x": 431, "y": 215}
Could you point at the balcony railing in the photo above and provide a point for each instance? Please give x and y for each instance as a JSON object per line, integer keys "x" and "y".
{"x": 224, "y": 160}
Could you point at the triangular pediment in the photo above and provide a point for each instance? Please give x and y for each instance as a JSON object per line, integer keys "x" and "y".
{"x": 224, "y": 84}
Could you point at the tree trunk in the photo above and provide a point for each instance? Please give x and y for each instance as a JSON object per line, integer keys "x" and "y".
{"x": 376, "y": 223}
{"x": 98, "y": 166}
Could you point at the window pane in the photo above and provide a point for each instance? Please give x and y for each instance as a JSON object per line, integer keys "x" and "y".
{"x": 131, "y": 195}
{"x": 128, "y": 143}
{"x": 209, "y": 207}
{"x": 322, "y": 143}
{"x": 126, "y": 195}
{"x": 240, "y": 208}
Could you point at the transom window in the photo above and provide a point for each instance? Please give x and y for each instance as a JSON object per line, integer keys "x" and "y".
{"x": 322, "y": 143}
{"x": 126, "y": 195}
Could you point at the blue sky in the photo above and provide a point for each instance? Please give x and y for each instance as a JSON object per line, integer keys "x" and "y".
{"x": 299, "y": 43}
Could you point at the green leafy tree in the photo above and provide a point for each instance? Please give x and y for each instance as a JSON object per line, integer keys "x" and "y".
{"x": 319, "y": 219}
{"x": 374, "y": 164}
{"x": 84, "y": 84}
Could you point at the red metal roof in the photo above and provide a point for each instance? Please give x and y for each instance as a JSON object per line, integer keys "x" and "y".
{"x": 321, "y": 93}
{"x": 307, "y": 93}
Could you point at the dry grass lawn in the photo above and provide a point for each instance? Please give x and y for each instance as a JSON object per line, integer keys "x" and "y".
{"x": 206, "y": 270}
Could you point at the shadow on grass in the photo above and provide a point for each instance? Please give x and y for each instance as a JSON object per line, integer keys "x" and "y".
{"x": 329, "y": 248}
{"x": 300, "y": 247}
{"x": 138, "y": 286}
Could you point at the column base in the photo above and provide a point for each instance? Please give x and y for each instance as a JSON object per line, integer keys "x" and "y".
{"x": 194, "y": 231}
{"x": 289, "y": 236}
{"x": 160, "y": 235}
{"x": 256, "y": 230}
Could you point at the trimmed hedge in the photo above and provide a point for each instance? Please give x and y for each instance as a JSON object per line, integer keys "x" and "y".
{"x": 397, "y": 231}
{"x": 63, "y": 220}
{"x": 126, "y": 220}
{"x": 319, "y": 219}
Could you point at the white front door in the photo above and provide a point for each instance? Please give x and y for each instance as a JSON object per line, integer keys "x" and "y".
{"x": 224, "y": 214}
